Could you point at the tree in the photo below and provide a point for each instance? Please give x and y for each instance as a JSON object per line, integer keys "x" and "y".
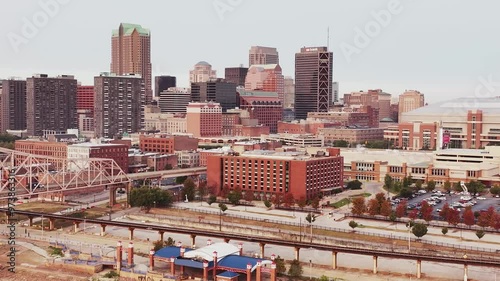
{"x": 353, "y": 224}
{"x": 385, "y": 208}
{"x": 267, "y": 204}
{"x": 147, "y": 198}
{"x": 280, "y": 265}
{"x": 401, "y": 209}
{"x": 418, "y": 184}
{"x": 388, "y": 182}
{"x": 310, "y": 218}
{"x": 288, "y": 200}
{"x": 447, "y": 186}
{"x": 457, "y": 187}
{"x": 340, "y": 143}
{"x": 224, "y": 192}
{"x": 202, "y": 190}
{"x": 355, "y": 184}
{"x": 180, "y": 180}
{"x": 235, "y": 196}
{"x": 407, "y": 181}
{"x": 358, "y": 206}
{"x": 485, "y": 218}
{"x": 444, "y": 211}
{"x": 302, "y": 202}
{"x": 453, "y": 216}
{"x": 324, "y": 278}
{"x": 413, "y": 215}
{"x": 426, "y": 211}
{"x": 495, "y": 190}
{"x": 419, "y": 230}
{"x": 211, "y": 199}
{"x": 295, "y": 270}
{"x": 431, "y": 185}
{"x": 480, "y": 234}
{"x": 222, "y": 207}
{"x": 496, "y": 222}
{"x": 475, "y": 187}
{"x": 444, "y": 230}
{"x": 189, "y": 189}
{"x": 373, "y": 207}
{"x": 249, "y": 196}
{"x": 315, "y": 203}
{"x": 277, "y": 199}
{"x": 468, "y": 217}
{"x": 406, "y": 192}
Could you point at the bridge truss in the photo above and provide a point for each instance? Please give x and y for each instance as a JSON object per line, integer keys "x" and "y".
{"x": 32, "y": 174}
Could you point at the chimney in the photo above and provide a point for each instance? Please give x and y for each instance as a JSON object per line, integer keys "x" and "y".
{"x": 130, "y": 260}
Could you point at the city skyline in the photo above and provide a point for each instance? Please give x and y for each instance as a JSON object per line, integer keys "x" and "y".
{"x": 405, "y": 52}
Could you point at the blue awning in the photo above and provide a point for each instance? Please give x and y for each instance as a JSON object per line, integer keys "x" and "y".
{"x": 228, "y": 274}
{"x": 170, "y": 252}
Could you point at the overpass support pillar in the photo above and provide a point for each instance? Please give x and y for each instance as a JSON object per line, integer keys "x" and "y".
{"x": 375, "y": 264}
{"x": 334, "y": 260}
{"x": 103, "y": 229}
{"x": 193, "y": 240}
{"x": 297, "y": 253}
{"x": 131, "y": 233}
{"x": 161, "y": 235}
{"x": 77, "y": 226}
{"x": 31, "y": 221}
{"x": 112, "y": 195}
{"x": 51, "y": 224}
{"x": 419, "y": 269}
{"x": 466, "y": 271}
{"x": 262, "y": 246}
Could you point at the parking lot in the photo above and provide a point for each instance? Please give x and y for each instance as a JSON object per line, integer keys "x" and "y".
{"x": 478, "y": 203}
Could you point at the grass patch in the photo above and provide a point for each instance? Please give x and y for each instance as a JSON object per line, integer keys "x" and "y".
{"x": 366, "y": 195}
{"x": 341, "y": 203}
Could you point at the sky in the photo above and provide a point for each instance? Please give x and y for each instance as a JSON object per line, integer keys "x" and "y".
{"x": 444, "y": 48}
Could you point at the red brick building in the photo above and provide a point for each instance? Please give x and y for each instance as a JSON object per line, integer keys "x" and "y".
{"x": 204, "y": 119}
{"x": 267, "y": 110}
{"x": 304, "y": 126}
{"x": 269, "y": 172}
{"x": 117, "y": 152}
{"x": 166, "y": 144}
{"x": 85, "y": 100}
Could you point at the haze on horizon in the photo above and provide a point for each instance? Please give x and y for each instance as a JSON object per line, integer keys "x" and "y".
{"x": 442, "y": 49}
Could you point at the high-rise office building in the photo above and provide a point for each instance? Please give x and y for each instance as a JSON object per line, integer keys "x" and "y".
{"x": 313, "y": 80}
{"x": 50, "y": 104}
{"x": 204, "y": 119}
{"x": 174, "y": 100}
{"x": 262, "y": 55}
{"x": 410, "y": 100}
{"x": 13, "y": 105}
{"x": 131, "y": 53}
{"x": 289, "y": 89}
{"x": 216, "y": 90}
{"x": 202, "y": 72}
{"x": 267, "y": 78}
{"x": 163, "y": 83}
{"x": 119, "y": 104}
{"x": 236, "y": 75}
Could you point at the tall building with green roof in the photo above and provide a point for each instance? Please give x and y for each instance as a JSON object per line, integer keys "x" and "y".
{"x": 131, "y": 53}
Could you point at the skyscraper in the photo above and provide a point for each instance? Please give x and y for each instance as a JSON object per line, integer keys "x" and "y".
{"x": 313, "y": 80}
{"x": 119, "y": 104}
{"x": 202, "y": 72}
{"x": 262, "y": 55}
{"x": 174, "y": 100}
{"x": 13, "y": 105}
{"x": 215, "y": 90}
{"x": 236, "y": 75}
{"x": 410, "y": 100}
{"x": 289, "y": 88}
{"x": 163, "y": 83}
{"x": 267, "y": 78}
{"x": 131, "y": 53}
{"x": 50, "y": 104}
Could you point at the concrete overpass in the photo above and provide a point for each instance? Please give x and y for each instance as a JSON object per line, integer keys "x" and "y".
{"x": 168, "y": 173}
{"x": 486, "y": 259}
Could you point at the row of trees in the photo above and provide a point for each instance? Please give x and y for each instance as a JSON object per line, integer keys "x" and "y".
{"x": 379, "y": 205}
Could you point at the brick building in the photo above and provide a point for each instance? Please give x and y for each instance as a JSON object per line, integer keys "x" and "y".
{"x": 375, "y": 98}
{"x": 267, "y": 109}
{"x": 266, "y": 78}
{"x": 204, "y": 119}
{"x": 351, "y": 134}
{"x": 117, "y": 152}
{"x": 13, "y": 105}
{"x": 166, "y": 144}
{"x": 267, "y": 172}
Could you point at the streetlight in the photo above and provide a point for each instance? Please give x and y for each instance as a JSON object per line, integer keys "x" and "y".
{"x": 408, "y": 225}
{"x": 310, "y": 269}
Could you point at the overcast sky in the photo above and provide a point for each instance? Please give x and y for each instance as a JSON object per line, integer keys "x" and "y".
{"x": 441, "y": 48}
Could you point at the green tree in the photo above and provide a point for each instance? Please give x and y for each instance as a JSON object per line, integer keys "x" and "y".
{"x": 147, "y": 198}
{"x": 211, "y": 199}
{"x": 388, "y": 182}
{"x": 169, "y": 242}
{"x": 222, "y": 207}
{"x": 180, "y": 180}
{"x": 419, "y": 230}
{"x": 353, "y": 224}
{"x": 324, "y": 278}
{"x": 267, "y": 204}
{"x": 355, "y": 184}
{"x": 112, "y": 275}
{"x": 295, "y": 270}
{"x": 480, "y": 234}
{"x": 444, "y": 230}
{"x": 447, "y": 186}
{"x": 189, "y": 189}
{"x": 495, "y": 190}
{"x": 340, "y": 143}
{"x": 310, "y": 218}
{"x": 405, "y": 193}
{"x": 475, "y": 187}
{"x": 235, "y": 196}
{"x": 431, "y": 185}
{"x": 418, "y": 184}
{"x": 280, "y": 265}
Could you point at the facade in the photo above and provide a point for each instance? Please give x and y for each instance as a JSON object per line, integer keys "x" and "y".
{"x": 162, "y": 162}
{"x": 374, "y": 98}
{"x": 50, "y": 104}
{"x": 166, "y": 144}
{"x": 174, "y": 100}
{"x": 410, "y": 100}
{"x": 298, "y": 140}
{"x": 454, "y": 165}
{"x": 262, "y": 55}
{"x": 266, "y": 107}
{"x": 119, "y": 104}
{"x": 188, "y": 159}
{"x": 471, "y": 123}
{"x": 204, "y": 119}
{"x": 361, "y": 117}
{"x": 85, "y": 99}
{"x": 163, "y": 83}
{"x": 229, "y": 121}
{"x": 351, "y": 134}
{"x": 236, "y": 75}
{"x": 266, "y": 78}
{"x": 267, "y": 172}
{"x": 335, "y": 92}
{"x": 41, "y": 147}
{"x": 13, "y": 105}
{"x": 202, "y": 72}
{"x": 289, "y": 92}
{"x": 85, "y": 123}
{"x": 117, "y": 152}
{"x": 300, "y": 127}
{"x": 216, "y": 90}
{"x": 131, "y": 54}
{"x": 313, "y": 81}
{"x": 166, "y": 123}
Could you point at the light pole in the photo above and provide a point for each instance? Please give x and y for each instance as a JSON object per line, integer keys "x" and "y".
{"x": 310, "y": 269}
{"x": 220, "y": 219}
{"x": 409, "y": 240}
{"x": 84, "y": 223}
{"x": 42, "y": 225}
